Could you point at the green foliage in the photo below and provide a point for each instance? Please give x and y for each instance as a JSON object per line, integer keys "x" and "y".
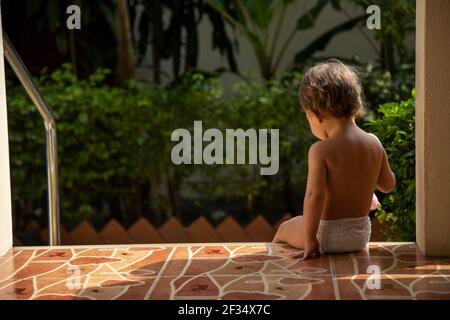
{"x": 95, "y": 44}
{"x": 265, "y": 105}
{"x": 398, "y": 21}
{"x": 382, "y": 86}
{"x": 322, "y": 41}
{"x": 253, "y": 19}
{"x": 396, "y": 130}
{"x": 178, "y": 38}
{"x": 114, "y": 147}
{"x": 93, "y": 125}
{"x": 42, "y": 24}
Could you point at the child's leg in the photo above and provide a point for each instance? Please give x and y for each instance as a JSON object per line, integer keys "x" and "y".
{"x": 291, "y": 232}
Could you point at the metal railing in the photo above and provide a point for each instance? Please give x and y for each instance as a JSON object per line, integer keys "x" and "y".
{"x": 25, "y": 79}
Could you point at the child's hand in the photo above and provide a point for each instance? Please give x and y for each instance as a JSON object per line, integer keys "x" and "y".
{"x": 311, "y": 251}
{"x": 374, "y": 203}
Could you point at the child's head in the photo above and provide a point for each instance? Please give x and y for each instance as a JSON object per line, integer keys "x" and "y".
{"x": 331, "y": 89}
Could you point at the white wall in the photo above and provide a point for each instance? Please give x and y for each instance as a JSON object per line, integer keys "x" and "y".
{"x": 5, "y": 191}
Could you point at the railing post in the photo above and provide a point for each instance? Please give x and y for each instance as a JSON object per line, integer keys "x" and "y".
{"x": 6, "y": 224}
{"x": 50, "y": 130}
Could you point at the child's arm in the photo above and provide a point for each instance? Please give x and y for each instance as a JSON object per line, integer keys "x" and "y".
{"x": 386, "y": 179}
{"x": 314, "y": 198}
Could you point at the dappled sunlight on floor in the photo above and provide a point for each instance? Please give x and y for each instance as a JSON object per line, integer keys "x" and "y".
{"x": 220, "y": 271}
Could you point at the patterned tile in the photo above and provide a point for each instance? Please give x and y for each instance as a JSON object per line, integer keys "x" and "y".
{"x": 221, "y": 271}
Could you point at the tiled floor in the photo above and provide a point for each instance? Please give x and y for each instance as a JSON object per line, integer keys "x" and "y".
{"x": 225, "y": 271}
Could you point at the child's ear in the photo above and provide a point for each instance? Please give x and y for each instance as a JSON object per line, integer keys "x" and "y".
{"x": 319, "y": 117}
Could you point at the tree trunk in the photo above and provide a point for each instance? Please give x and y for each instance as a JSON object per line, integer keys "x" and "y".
{"x": 134, "y": 202}
{"x": 192, "y": 43}
{"x": 73, "y": 52}
{"x": 387, "y": 54}
{"x": 157, "y": 39}
{"x": 125, "y": 54}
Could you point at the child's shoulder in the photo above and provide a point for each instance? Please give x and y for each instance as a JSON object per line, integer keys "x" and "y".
{"x": 318, "y": 149}
{"x": 322, "y": 149}
{"x": 330, "y": 146}
{"x": 373, "y": 138}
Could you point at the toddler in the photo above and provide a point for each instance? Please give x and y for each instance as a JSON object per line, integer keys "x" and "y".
{"x": 344, "y": 167}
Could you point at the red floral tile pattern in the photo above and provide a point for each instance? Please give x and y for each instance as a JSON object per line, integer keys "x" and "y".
{"x": 221, "y": 271}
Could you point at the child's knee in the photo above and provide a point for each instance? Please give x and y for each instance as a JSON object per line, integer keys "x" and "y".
{"x": 291, "y": 223}
{"x": 280, "y": 231}
{"x": 283, "y": 227}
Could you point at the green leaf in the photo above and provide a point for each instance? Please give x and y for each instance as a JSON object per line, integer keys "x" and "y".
{"x": 336, "y": 4}
{"x": 308, "y": 19}
{"x": 321, "y": 42}
{"x": 261, "y": 11}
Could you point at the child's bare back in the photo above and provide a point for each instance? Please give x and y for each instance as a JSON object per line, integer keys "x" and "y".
{"x": 344, "y": 168}
{"x": 353, "y": 160}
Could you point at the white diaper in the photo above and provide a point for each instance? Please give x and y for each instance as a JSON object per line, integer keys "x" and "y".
{"x": 344, "y": 235}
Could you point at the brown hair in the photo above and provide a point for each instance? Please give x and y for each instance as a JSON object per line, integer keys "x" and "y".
{"x": 331, "y": 88}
